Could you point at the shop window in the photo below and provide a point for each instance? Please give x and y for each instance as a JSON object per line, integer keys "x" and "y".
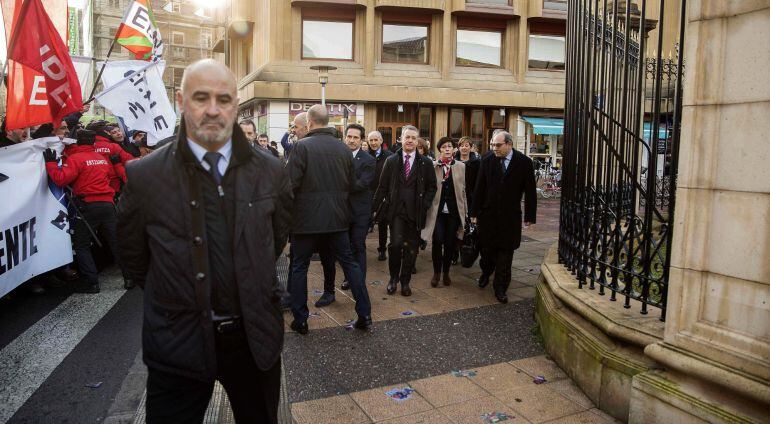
{"x": 497, "y": 119}
{"x": 546, "y": 52}
{"x": 425, "y": 126}
{"x": 539, "y": 144}
{"x": 327, "y": 39}
{"x": 477, "y": 124}
{"x": 404, "y": 43}
{"x": 456, "y": 123}
{"x": 479, "y": 48}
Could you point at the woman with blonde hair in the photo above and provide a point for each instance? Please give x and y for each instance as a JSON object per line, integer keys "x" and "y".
{"x": 445, "y": 222}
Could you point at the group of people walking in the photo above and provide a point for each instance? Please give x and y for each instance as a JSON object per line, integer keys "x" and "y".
{"x": 202, "y": 221}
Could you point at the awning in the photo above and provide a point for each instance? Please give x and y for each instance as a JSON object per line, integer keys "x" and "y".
{"x": 546, "y": 125}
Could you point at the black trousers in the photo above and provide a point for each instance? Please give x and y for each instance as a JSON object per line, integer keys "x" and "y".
{"x": 102, "y": 219}
{"x": 302, "y": 247}
{"x": 382, "y": 228}
{"x": 357, "y": 234}
{"x": 444, "y": 242}
{"x": 402, "y": 250}
{"x": 253, "y": 393}
{"x": 497, "y": 261}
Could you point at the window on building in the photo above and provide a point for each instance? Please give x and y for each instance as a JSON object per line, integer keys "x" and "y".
{"x": 112, "y": 31}
{"x": 114, "y": 3}
{"x": 178, "y": 72}
{"x": 206, "y": 38}
{"x": 177, "y": 38}
{"x": 456, "y": 123}
{"x": 479, "y": 47}
{"x": 178, "y": 52}
{"x": 327, "y": 39}
{"x": 425, "y": 121}
{"x": 500, "y": 2}
{"x": 404, "y": 43}
{"x": 477, "y": 124}
{"x": 546, "y": 52}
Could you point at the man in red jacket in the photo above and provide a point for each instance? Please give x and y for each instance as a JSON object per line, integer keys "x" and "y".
{"x": 88, "y": 173}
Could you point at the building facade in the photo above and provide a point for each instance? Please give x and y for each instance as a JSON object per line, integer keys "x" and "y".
{"x": 452, "y": 68}
{"x": 187, "y": 29}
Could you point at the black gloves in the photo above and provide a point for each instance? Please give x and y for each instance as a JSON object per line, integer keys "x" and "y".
{"x": 49, "y": 155}
{"x": 115, "y": 159}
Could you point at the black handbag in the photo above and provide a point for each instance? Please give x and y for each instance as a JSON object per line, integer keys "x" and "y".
{"x": 469, "y": 251}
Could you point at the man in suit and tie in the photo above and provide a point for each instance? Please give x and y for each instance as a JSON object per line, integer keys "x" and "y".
{"x": 407, "y": 187}
{"x": 380, "y": 153}
{"x": 503, "y": 179}
{"x": 361, "y": 210}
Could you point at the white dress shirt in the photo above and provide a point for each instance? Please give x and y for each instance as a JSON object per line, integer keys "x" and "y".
{"x": 226, "y": 151}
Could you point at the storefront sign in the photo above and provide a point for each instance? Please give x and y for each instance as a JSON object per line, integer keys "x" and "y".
{"x": 335, "y": 109}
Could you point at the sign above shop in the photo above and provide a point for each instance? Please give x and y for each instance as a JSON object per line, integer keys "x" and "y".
{"x": 335, "y": 109}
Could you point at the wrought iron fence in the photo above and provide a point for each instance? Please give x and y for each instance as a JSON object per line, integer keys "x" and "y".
{"x": 622, "y": 116}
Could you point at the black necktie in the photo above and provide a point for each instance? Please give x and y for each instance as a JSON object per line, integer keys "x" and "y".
{"x": 212, "y": 158}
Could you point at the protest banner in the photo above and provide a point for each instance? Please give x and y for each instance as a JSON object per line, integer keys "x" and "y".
{"x": 135, "y": 92}
{"x": 34, "y": 235}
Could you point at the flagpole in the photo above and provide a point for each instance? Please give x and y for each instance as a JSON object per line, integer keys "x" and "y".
{"x": 101, "y": 71}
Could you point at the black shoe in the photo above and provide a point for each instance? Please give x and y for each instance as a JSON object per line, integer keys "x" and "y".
{"x": 87, "y": 288}
{"x": 414, "y": 269}
{"x": 300, "y": 328}
{"x": 345, "y": 285}
{"x": 128, "y": 284}
{"x": 405, "y": 290}
{"x": 325, "y": 300}
{"x": 455, "y": 258}
{"x": 483, "y": 281}
{"x": 382, "y": 256}
{"x": 285, "y": 303}
{"x": 363, "y": 323}
{"x": 502, "y": 297}
{"x": 392, "y": 285}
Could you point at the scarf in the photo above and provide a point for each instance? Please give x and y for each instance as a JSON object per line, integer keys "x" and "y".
{"x": 446, "y": 165}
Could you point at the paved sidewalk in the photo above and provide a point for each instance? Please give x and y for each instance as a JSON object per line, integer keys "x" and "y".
{"x": 496, "y": 393}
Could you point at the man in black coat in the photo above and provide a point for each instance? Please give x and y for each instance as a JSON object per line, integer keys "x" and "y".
{"x": 323, "y": 178}
{"x": 200, "y": 225}
{"x": 380, "y": 153}
{"x": 504, "y": 178}
{"x": 361, "y": 209}
{"x": 406, "y": 191}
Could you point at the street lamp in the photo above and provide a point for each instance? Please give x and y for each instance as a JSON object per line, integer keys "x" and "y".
{"x": 323, "y": 78}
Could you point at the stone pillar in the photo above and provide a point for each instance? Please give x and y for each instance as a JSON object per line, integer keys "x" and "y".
{"x": 441, "y": 126}
{"x": 716, "y": 346}
{"x": 370, "y": 56}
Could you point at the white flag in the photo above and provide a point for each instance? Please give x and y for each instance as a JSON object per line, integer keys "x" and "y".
{"x": 134, "y": 91}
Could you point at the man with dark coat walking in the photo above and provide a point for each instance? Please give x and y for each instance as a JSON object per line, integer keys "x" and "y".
{"x": 322, "y": 178}
{"x": 201, "y": 223}
{"x": 406, "y": 191}
{"x": 380, "y": 153}
{"x": 361, "y": 209}
{"x": 504, "y": 178}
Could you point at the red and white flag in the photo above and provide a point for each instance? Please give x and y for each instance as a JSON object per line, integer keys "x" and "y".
{"x": 46, "y": 87}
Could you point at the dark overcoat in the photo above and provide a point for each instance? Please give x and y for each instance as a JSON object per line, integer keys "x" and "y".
{"x": 361, "y": 196}
{"x": 497, "y": 200}
{"x": 390, "y": 186}
{"x": 322, "y": 178}
{"x": 163, "y": 247}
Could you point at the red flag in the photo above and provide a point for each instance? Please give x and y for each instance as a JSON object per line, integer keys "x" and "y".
{"x": 36, "y": 44}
